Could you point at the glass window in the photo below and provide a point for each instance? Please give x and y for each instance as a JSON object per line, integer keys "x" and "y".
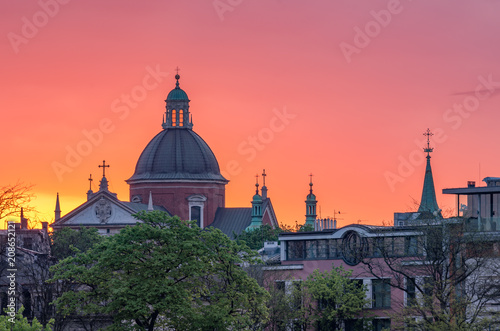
{"x": 295, "y": 249}
{"x": 378, "y": 247}
{"x": 280, "y": 286}
{"x": 399, "y": 246}
{"x": 411, "y": 246}
{"x": 333, "y": 250}
{"x": 311, "y": 249}
{"x": 322, "y": 249}
{"x": 297, "y": 295}
{"x": 381, "y": 292}
{"x": 196, "y": 214}
{"x": 381, "y": 324}
{"x": 410, "y": 291}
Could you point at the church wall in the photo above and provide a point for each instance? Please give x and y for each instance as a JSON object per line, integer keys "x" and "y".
{"x": 174, "y": 197}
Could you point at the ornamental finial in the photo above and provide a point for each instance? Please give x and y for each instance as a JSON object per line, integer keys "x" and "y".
{"x": 177, "y": 77}
{"x": 428, "y": 150}
{"x": 311, "y": 183}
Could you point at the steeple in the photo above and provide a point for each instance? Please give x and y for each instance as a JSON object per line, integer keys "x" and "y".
{"x": 177, "y": 114}
{"x": 256, "y": 208}
{"x": 311, "y": 204}
{"x": 264, "y": 187}
{"x": 57, "y": 211}
{"x": 428, "y": 203}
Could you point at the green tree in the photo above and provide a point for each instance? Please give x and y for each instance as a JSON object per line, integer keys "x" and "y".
{"x": 67, "y": 242}
{"x": 339, "y": 298}
{"x": 166, "y": 272}
{"x": 20, "y": 323}
{"x": 448, "y": 272}
{"x": 255, "y": 238}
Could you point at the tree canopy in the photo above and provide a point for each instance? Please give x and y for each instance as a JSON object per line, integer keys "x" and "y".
{"x": 339, "y": 298}
{"x": 168, "y": 272}
{"x": 68, "y": 242}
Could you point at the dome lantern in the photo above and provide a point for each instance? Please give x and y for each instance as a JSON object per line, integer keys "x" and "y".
{"x": 177, "y": 108}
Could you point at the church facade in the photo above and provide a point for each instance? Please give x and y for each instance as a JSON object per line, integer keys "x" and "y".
{"x": 178, "y": 173}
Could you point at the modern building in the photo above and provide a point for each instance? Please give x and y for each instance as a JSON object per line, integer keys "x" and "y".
{"x": 398, "y": 264}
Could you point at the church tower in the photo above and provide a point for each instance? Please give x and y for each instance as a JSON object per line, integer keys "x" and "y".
{"x": 310, "y": 205}
{"x": 256, "y": 208}
{"x": 428, "y": 202}
{"x": 177, "y": 168}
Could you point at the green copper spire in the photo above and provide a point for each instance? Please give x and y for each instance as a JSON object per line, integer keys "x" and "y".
{"x": 428, "y": 203}
{"x": 256, "y": 208}
{"x": 311, "y": 204}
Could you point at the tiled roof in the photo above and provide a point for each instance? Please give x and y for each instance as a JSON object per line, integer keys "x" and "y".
{"x": 142, "y": 206}
{"x": 232, "y": 220}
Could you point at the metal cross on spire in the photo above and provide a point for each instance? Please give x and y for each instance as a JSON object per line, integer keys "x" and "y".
{"x": 177, "y": 70}
{"x": 103, "y": 166}
{"x": 311, "y": 183}
{"x": 257, "y": 184}
{"x": 264, "y": 177}
{"x": 428, "y": 150}
{"x": 90, "y": 182}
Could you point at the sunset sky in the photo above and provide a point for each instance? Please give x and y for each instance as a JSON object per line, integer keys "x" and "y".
{"x": 340, "y": 89}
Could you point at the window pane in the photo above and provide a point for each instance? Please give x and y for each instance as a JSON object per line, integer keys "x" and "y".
{"x": 333, "y": 249}
{"x": 295, "y": 250}
{"x": 322, "y": 249}
{"x": 311, "y": 249}
{"x": 381, "y": 291}
{"x": 195, "y": 214}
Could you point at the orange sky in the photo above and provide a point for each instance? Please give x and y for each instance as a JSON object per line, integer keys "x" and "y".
{"x": 360, "y": 82}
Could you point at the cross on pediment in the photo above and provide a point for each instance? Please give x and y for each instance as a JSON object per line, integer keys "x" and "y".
{"x": 103, "y": 166}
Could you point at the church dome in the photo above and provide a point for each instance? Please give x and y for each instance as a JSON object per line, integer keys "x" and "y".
{"x": 177, "y": 154}
{"x": 177, "y": 94}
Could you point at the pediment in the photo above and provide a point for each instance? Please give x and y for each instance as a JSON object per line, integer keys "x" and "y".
{"x": 102, "y": 210}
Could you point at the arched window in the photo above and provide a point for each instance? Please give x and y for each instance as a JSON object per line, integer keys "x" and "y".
{"x": 174, "y": 117}
{"x": 196, "y": 209}
{"x": 181, "y": 118}
{"x": 196, "y": 215}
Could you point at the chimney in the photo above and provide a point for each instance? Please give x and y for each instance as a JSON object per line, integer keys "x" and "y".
{"x": 45, "y": 226}
{"x": 24, "y": 221}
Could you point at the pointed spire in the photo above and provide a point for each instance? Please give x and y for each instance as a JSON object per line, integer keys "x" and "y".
{"x": 150, "y": 203}
{"x": 428, "y": 202}
{"x": 264, "y": 187}
{"x": 57, "y": 211}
